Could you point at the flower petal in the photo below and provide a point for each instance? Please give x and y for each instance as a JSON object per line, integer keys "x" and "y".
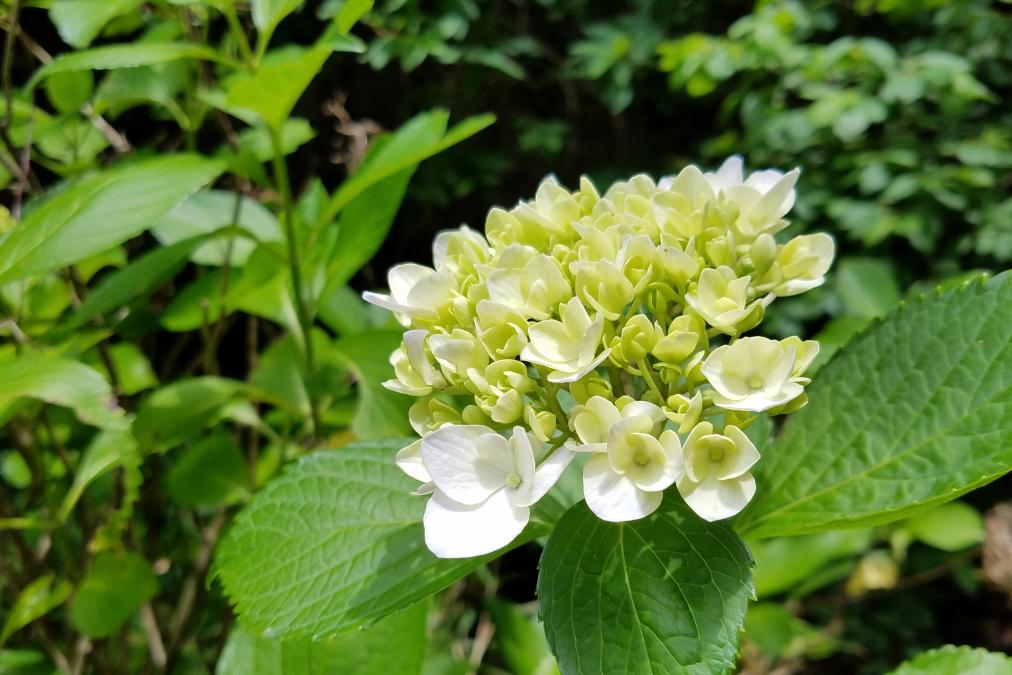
{"x": 545, "y": 476}
{"x": 454, "y": 530}
{"x": 715, "y": 500}
{"x": 560, "y": 377}
{"x": 409, "y": 460}
{"x": 451, "y": 455}
{"x": 614, "y": 497}
{"x": 745, "y": 457}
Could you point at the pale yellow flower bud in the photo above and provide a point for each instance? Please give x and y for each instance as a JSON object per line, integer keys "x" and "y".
{"x": 686, "y": 335}
{"x": 602, "y": 285}
{"x": 589, "y": 386}
{"x": 722, "y": 299}
{"x": 541, "y": 423}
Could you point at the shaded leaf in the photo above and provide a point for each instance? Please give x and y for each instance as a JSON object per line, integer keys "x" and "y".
{"x": 211, "y": 472}
{"x": 394, "y": 645}
{"x": 35, "y": 600}
{"x": 115, "y": 587}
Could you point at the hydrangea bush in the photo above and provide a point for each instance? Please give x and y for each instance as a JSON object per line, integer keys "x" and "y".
{"x": 608, "y": 325}
{"x": 617, "y": 335}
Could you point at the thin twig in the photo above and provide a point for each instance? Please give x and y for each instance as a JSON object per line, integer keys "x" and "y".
{"x": 180, "y": 622}
{"x": 156, "y": 648}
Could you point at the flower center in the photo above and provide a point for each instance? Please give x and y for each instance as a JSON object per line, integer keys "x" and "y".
{"x": 514, "y": 480}
{"x": 641, "y": 458}
{"x": 755, "y": 382}
{"x": 716, "y": 454}
{"x": 725, "y": 305}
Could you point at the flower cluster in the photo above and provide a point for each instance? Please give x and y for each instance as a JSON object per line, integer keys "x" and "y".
{"x": 606, "y": 325}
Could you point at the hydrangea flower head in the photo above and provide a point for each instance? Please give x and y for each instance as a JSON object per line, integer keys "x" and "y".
{"x": 606, "y": 325}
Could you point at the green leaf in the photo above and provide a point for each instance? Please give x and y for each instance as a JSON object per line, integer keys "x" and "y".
{"x": 139, "y": 279}
{"x": 401, "y": 152}
{"x": 198, "y": 302}
{"x": 270, "y": 92}
{"x": 80, "y": 21}
{"x": 867, "y": 286}
{"x": 100, "y": 211}
{"x": 60, "y": 381}
{"x": 178, "y": 411}
{"x": 521, "y": 640}
{"x": 349, "y": 14}
{"x": 25, "y": 662}
{"x": 335, "y": 543}
{"x": 951, "y": 659}
{"x": 211, "y": 472}
{"x": 104, "y": 453}
{"x": 364, "y": 224}
{"x": 395, "y": 645}
{"x": 380, "y": 413}
{"x": 256, "y": 141}
{"x": 132, "y": 367}
{"x": 211, "y": 211}
{"x": 35, "y": 600}
{"x": 663, "y": 594}
{"x": 281, "y": 375}
{"x": 783, "y": 563}
{"x": 70, "y": 90}
{"x": 928, "y": 400}
{"x": 115, "y": 587}
{"x": 267, "y": 14}
{"x": 950, "y": 527}
{"x": 112, "y": 57}
{"x": 779, "y": 634}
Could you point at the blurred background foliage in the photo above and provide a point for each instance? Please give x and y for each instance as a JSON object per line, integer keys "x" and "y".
{"x": 897, "y": 111}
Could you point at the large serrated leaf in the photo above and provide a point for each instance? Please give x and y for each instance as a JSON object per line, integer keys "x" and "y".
{"x": 950, "y": 659}
{"x": 914, "y": 413}
{"x": 665, "y": 594}
{"x": 334, "y": 544}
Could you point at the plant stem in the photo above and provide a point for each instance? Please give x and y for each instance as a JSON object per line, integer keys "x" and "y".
{"x": 228, "y": 8}
{"x": 301, "y": 310}
{"x": 647, "y": 371}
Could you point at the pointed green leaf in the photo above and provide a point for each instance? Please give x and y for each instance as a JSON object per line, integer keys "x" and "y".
{"x": 271, "y": 91}
{"x": 112, "y": 57}
{"x": 913, "y": 413}
{"x": 105, "y": 452}
{"x": 139, "y": 279}
{"x": 37, "y": 598}
{"x": 665, "y": 594}
{"x": 60, "y": 381}
{"x": 100, "y": 211}
{"x": 401, "y": 152}
{"x": 80, "y": 21}
{"x": 267, "y": 14}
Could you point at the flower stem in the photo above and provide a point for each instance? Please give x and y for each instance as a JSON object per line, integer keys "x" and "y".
{"x": 648, "y": 375}
{"x": 301, "y": 310}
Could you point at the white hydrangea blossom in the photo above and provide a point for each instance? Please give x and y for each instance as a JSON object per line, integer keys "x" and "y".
{"x": 611, "y": 325}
